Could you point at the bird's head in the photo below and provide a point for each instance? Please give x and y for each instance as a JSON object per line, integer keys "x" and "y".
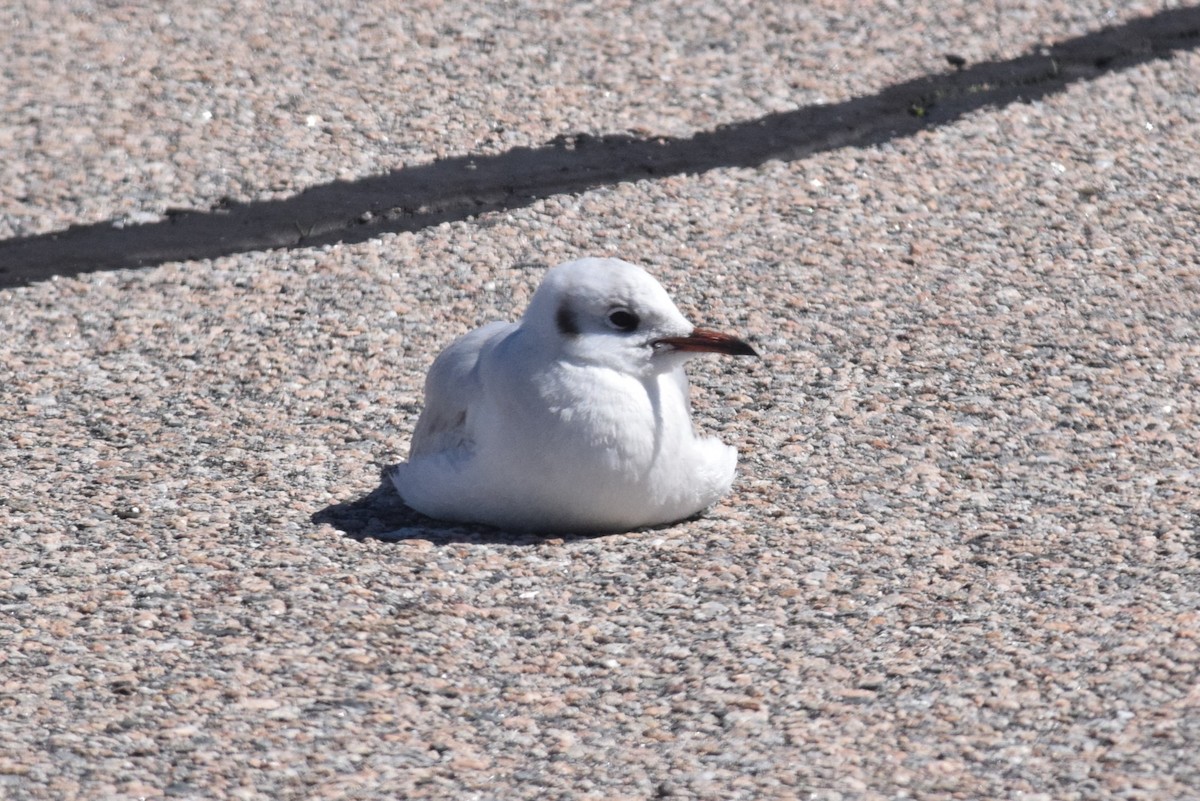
{"x": 611, "y": 313}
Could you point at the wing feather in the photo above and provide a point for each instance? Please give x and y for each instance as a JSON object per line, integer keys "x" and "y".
{"x": 451, "y": 388}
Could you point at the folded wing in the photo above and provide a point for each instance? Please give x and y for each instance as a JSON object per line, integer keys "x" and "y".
{"x": 451, "y": 388}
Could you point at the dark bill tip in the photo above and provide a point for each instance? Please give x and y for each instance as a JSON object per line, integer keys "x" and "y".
{"x": 701, "y": 340}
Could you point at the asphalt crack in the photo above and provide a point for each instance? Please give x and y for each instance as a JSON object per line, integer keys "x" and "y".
{"x": 464, "y": 187}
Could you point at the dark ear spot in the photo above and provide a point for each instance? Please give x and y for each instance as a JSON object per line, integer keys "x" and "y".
{"x": 565, "y": 318}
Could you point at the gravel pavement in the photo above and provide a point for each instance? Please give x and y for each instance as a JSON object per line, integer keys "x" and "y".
{"x": 962, "y": 555}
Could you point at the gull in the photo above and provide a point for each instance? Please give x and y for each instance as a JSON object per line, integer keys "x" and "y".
{"x": 575, "y": 419}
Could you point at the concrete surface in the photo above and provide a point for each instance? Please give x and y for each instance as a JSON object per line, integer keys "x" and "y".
{"x": 962, "y": 557}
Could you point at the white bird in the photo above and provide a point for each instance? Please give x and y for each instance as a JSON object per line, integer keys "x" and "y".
{"x": 575, "y": 419}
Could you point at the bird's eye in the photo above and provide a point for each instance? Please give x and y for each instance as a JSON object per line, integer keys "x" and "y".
{"x": 623, "y": 320}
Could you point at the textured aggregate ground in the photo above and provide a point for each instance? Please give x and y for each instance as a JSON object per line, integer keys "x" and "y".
{"x": 962, "y": 556}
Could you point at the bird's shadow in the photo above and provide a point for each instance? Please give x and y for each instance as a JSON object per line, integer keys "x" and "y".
{"x": 381, "y": 514}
